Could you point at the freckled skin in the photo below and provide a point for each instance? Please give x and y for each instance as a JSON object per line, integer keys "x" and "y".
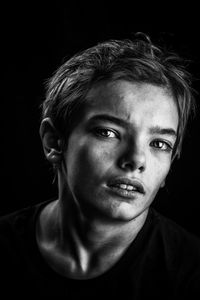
{"x": 91, "y": 160}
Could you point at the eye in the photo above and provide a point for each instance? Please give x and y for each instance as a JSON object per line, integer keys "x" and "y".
{"x": 106, "y": 133}
{"x": 162, "y": 145}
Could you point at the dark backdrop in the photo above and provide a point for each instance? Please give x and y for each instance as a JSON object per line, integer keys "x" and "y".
{"x": 35, "y": 40}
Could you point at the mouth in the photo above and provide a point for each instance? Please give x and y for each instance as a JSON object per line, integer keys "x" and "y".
{"x": 126, "y": 187}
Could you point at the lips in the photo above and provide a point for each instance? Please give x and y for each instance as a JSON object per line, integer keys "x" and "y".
{"x": 126, "y": 186}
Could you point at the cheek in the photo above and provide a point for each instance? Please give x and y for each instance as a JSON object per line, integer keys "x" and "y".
{"x": 157, "y": 173}
{"x": 88, "y": 160}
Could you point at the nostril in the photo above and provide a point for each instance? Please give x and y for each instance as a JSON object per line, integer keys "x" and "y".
{"x": 141, "y": 168}
{"x": 127, "y": 165}
{"x": 133, "y": 163}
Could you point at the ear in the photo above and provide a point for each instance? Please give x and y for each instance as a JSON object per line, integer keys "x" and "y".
{"x": 51, "y": 141}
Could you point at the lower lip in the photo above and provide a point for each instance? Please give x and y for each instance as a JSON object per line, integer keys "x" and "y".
{"x": 124, "y": 193}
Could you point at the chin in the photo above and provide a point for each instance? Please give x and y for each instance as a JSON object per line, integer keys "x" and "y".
{"x": 124, "y": 212}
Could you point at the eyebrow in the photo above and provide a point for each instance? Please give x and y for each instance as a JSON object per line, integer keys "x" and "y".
{"x": 106, "y": 117}
{"x": 125, "y": 124}
{"x": 165, "y": 131}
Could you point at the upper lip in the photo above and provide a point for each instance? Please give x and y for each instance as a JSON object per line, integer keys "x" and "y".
{"x": 128, "y": 181}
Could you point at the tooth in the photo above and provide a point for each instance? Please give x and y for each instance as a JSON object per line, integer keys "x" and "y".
{"x": 123, "y": 186}
{"x": 130, "y": 187}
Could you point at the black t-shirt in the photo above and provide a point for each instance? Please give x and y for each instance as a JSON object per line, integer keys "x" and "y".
{"x": 163, "y": 262}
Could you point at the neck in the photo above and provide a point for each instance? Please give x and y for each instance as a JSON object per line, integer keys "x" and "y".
{"x": 93, "y": 244}
{"x": 95, "y": 230}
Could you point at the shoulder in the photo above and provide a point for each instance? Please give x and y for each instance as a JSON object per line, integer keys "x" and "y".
{"x": 12, "y": 221}
{"x": 172, "y": 232}
{"x": 15, "y": 225}
{"x": 179, "y": 247}
{"x": 174, "y": 251}
{"x": 18, "y": 248}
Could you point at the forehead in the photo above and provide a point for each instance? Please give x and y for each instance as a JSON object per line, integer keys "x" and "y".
{"x": 134, "y": 102}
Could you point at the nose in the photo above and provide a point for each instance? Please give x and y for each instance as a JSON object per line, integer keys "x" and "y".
{"x": 133, "y": 158}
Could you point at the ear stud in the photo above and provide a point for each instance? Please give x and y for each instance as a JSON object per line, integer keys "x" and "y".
{"x": 54, "y": 156}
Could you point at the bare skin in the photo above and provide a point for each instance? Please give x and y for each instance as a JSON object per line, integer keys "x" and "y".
{"x": 127, "y": 133}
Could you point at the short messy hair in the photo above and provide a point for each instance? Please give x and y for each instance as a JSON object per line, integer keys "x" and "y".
{"x": 137, "y": 60}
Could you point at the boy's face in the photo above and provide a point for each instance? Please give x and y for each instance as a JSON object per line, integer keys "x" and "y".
{"x": 119, "y": 155}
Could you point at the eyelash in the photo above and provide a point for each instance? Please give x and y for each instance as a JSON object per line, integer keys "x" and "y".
{"x": 101, "y": 132}
{"x": 168, "y": 148}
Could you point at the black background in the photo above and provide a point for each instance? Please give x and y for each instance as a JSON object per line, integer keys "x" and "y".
{"x": 34, "y": 40}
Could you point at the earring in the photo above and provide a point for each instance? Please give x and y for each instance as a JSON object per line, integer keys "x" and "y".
{"x": 54, "y": 156}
